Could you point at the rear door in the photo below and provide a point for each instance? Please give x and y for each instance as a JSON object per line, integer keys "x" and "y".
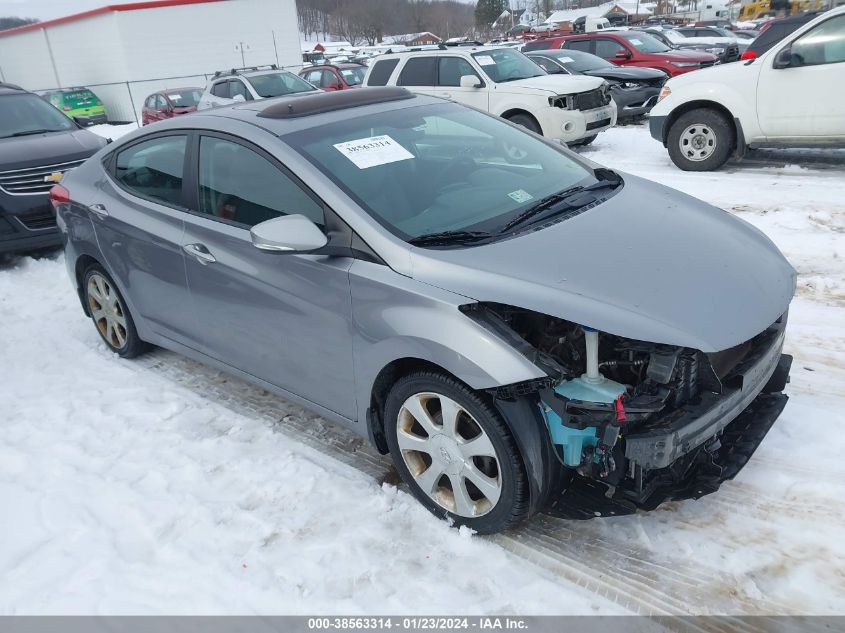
{"x": 282, "y": 318}
{"x": 806, "y": 99}
{"x": 138, "y": 223}
{"x": 419, "y": 74}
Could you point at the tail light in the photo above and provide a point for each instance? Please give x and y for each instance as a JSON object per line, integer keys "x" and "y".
{"x": 58, "y": 196}
{"x": 747, "y": 56}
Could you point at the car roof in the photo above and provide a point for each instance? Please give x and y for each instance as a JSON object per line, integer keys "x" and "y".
{"x": 449, "y": 51}
{"x": 6, "y": 89}
{"x": 282, "y": 115}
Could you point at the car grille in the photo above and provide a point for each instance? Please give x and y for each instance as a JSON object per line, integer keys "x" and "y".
{"x": 590, "y": 99}
{"x": 732, "y": 53}
{"x": 39, "y": 220}
{"x": 33, "y": 180}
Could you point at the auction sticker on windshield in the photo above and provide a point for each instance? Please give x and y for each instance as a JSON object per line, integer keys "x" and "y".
{"x": 373, "y": 151}
{"x": 520, "y": 196}
{"x": 485, "y": 60}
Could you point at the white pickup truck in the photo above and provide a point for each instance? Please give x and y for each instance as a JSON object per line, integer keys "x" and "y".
{"x": 504, "y": 82}
{"x": 793, "y": 95}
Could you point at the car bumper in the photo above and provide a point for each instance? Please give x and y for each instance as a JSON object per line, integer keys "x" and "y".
{"x": 634, "y": 103}
{"x": 656, "y": 125}
{"x": 27, "y": 223}
{"x": 571, "y": 126}
{"x": 91, "y": 119}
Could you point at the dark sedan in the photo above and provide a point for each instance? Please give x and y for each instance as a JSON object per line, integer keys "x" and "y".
{"x": 635, "y": 90}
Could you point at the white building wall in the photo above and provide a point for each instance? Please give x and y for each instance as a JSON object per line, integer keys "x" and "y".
{"x": 140, "y": 52}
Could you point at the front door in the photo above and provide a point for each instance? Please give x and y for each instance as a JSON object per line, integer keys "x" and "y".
{"x": 283, "y": 318}
{"x": 805, "y": 99}
{"x": 449, "y": 73}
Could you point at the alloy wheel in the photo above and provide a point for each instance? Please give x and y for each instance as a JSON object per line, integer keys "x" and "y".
{"x": 107, "y": 311}
{"x": 449, "y": 455}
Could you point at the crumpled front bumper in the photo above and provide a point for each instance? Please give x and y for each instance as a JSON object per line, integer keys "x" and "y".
{"x": 698, "y": 474}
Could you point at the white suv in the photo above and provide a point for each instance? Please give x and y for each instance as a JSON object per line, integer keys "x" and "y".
{"x": 247, "y": 84}
{"x": 504, "y": 82}
{"x": 793, "y": 95}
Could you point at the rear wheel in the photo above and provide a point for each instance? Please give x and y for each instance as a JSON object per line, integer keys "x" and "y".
{"x": 455, "y": 453}
{"x": 701, "y": 140}
{"x": 110, "y": 315}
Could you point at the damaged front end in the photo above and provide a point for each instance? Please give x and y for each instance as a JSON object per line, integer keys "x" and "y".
{"x": 638, "y": 423}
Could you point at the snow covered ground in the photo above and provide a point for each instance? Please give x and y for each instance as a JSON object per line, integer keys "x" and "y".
{"x": 162, "y": 486}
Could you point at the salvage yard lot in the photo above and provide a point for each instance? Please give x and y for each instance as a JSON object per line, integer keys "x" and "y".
{"x": 162, "y": 486}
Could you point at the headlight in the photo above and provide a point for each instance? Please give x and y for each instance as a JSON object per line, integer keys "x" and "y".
{"x": 665, "y": 91}
{"x": 715, "y": 51}
{"x": 684, "y": 64}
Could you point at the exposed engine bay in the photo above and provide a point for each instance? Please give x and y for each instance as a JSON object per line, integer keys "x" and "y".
{"x": 636, "y": 416}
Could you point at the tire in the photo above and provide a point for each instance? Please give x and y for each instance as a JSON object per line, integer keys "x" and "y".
{"x": 527, "y": 121}
{"x": 701, "y": 140}
{"x": 109, "y": 313}
{"x": 441, "y": 460}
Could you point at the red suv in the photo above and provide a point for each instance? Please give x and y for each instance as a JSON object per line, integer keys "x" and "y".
{"x": 170, "y": 103}
{"x": 633, "y": 48}
{"x": 335, "y": 77}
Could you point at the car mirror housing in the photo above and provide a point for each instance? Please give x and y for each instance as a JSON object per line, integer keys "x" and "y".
{"x": 288, "y": 234}
{"x": 239, "y": 98}
{"x": 470, "y": 81}
{"x": 783, "y": 59}
{"x": 622, "y": 55}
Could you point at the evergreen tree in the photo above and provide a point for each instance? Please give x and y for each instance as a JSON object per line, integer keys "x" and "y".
{"x": 486, "y": 12}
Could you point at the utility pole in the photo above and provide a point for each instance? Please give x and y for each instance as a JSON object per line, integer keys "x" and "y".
{"x": 241, "y": 47}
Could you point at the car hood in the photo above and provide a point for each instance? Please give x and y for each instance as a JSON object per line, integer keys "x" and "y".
{"x": 551, "y": 84}
{"x": 50, "y": 148}
{"x": 627, "y": 73}
{"x": 649, "y": 264}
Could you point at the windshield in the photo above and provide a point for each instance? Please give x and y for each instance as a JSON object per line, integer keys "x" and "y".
{"x": 580, "y": 62}
{"x": 353, "y": 76}
{"x": 674, "y": 36}
{"x": 506, "y": 64}
{"x": 723, "y": 32}
{"x": 645, "y": 43}
{"x": 435, "y": 168}
{"x": 279, "y": 84}
{"x": 184, "y": 98}
{"x": 24, "y": 114}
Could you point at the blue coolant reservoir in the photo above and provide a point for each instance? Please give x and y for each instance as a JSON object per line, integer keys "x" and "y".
{"x": 573, "y": 441}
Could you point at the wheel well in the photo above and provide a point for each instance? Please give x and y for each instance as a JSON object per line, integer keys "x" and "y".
{"x": 693, "y": 105}
{"x": 386, "y": 378}
{"x": 81, "y": 266}
{"x": 514, "y": 111}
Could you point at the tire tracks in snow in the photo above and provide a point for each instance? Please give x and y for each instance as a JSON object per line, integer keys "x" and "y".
{"x": 630, "y": 576}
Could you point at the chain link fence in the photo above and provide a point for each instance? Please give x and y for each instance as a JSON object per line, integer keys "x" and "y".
{"x": 123, "y": 100}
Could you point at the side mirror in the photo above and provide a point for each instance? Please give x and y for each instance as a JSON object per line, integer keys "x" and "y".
{"x": 288, "y": 234}
{"x": 333, "y": 87}
{"x": 622, "y": 55}
{"x": 470, "y": 81}
{"x": 783, "y": 59}
{"x": 239, "y": 98}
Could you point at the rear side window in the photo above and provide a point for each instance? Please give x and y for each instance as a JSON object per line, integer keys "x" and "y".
{"x": 381, "y": 72}
{"x": 240, "y": 185}
{"x": 418, "y": 71}
{"x": 153, "y": 169}
{"x": 221, "y": 90}
{"x": 578, "y": 45}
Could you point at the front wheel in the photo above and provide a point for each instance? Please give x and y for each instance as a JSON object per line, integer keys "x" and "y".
{"x": 455, "y": 453}
{"x": 701, "y": 140}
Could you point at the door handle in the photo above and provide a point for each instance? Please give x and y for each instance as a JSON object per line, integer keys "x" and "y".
{"x": 200, "y": 253}
{"x": 446, "y": 95}
{"x": 99, "y": 210}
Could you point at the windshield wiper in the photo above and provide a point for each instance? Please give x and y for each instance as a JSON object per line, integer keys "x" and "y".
{"x": 572, "y": 198}
{"x": 449, "y": 237}
{"x": 28, "y": 132}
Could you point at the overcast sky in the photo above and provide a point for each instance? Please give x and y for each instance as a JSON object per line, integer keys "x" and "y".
{"x": 49, "y": 9}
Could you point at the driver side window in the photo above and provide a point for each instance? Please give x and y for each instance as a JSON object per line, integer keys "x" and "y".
{"x": 608, "y": 48}
{"x": 824, "y": 44}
